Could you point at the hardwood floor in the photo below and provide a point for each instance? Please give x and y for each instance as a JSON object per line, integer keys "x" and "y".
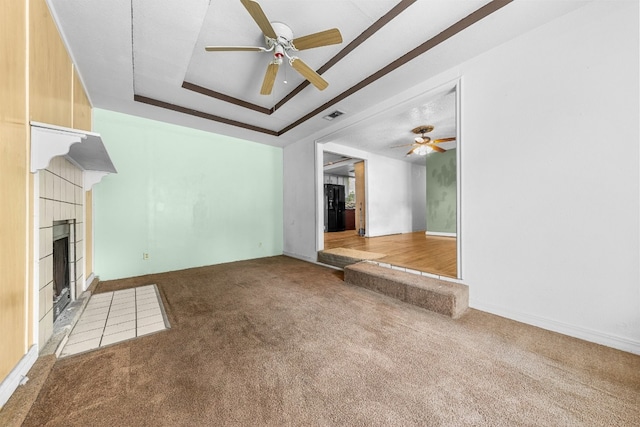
{"x": 433, "y": 254}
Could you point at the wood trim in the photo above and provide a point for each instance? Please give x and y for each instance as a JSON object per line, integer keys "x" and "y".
{"x": 464, "y": 23}
{"x": 226, "y": 98}
{"x": 379, "y": 24}
{"x": 361, "y": 197}
{"x": 459, "y": 26}
{"x": 196, "y": 113}
{"x": 384, "y": 20}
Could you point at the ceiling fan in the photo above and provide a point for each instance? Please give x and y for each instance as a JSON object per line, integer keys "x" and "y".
{"x": 279, "y": 40}
{"x": 423, "y": 144}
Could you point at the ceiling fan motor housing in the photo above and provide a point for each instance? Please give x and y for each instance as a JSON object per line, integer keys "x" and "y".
{"x": 283, "y": 32}
{"x": 279, "y": 39}
{"x": 282, "y": 42}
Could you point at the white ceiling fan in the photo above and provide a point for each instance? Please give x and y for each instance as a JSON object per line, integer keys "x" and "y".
{"x": 279, "y": 40}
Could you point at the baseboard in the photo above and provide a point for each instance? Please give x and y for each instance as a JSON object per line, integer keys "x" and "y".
{"x": 597, "y": 337}
{"x": 441, "y": 234}
{"x": 87, "y": 283}
{"x": 300, "y": 257}
{"x": 12, "y": 381}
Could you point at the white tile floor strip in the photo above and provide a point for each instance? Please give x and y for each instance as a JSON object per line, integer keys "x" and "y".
{"x": 117, "y": 316}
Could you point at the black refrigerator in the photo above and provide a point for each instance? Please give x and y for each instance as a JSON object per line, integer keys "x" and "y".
{"x": 334, "y": 213}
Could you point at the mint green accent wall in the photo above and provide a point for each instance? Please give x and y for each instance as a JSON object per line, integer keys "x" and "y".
{"x": 186, "y": 197}
{"x": 441, "y": 192}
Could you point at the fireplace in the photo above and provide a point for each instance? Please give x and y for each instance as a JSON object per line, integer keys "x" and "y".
{"x": 61, "y": 267}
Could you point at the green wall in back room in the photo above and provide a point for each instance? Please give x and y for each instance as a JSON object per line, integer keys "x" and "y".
{"x": 441, "y": 192}
{"x": 186, "y": 197}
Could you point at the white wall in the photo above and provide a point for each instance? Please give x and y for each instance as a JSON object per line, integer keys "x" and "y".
{"x": 550, "y": 176}
{"x": 389, "y": 196}
{"x": 299, "y": 194}
{"x": 418, "y": 197}
{"x": 389, "y": 186}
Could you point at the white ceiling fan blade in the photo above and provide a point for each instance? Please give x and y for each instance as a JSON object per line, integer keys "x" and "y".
{"x": 308, "y": 73}
{"x": 234, "y": 49}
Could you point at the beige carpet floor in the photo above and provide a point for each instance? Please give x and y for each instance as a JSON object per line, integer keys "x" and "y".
{"x": 277, "y": 341}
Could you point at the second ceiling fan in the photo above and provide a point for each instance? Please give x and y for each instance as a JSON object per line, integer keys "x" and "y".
{"x": 423, "y": 144}
{"x": 279, "y": 40}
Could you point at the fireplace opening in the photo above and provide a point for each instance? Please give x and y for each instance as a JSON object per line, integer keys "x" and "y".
{"x": 61, "y": 282}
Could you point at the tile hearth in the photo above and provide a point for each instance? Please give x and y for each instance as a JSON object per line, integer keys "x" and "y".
{"x": 112, "y": 317}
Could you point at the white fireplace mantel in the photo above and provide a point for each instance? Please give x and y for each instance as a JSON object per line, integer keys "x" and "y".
{"x": 82, "y": 148}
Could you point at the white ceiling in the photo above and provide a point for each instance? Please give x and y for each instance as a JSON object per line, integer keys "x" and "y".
{"x": 389, "y": 133}
{"x": 148, "y": 48}
{"x": 337, "y": 164}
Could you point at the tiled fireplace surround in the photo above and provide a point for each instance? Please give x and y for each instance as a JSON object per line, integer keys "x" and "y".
{"x": 61, "y": 198}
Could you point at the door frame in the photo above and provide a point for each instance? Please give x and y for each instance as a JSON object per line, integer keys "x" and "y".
{"x": 322, "y": 145}
{"x": 320, "y": 148}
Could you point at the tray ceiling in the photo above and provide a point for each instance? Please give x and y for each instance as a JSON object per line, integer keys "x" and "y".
{"x": 147, "y": 58}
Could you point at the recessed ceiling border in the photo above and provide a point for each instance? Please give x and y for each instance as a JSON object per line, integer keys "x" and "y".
{"x": 201, "y": 114}
{"x": 226, "y": 98}
{"x": 459, "y": 26}
{"x": 451, "y": 31}
{"x": 371, "y": 30}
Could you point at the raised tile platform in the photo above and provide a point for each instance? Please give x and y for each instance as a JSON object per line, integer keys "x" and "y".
{"x": 447, "y": 298}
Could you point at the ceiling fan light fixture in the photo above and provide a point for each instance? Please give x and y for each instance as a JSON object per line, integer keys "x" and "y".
{"x": 422, "y": 144}
{"x": 422, "y": 150}
{"x": 278, "y": 54}
{"x": 279, "y": 38}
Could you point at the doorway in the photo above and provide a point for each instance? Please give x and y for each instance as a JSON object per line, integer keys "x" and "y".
{"x": 412, "y": 197}
{"x": 344, "y": 206}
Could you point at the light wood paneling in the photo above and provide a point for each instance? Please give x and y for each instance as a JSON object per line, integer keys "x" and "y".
{"x": 88, "y": 237}
{"x": 13, "y": 186}
{"x": 12, "y": 77}
{"x": 432, "y": 254}
{"x": 45, "y": 94}
{"x": 81, "y": 105}
{"x": 50, "y": 72}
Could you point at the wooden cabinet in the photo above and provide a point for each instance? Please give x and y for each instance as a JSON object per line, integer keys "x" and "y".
{"x": 350, "y": 221}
